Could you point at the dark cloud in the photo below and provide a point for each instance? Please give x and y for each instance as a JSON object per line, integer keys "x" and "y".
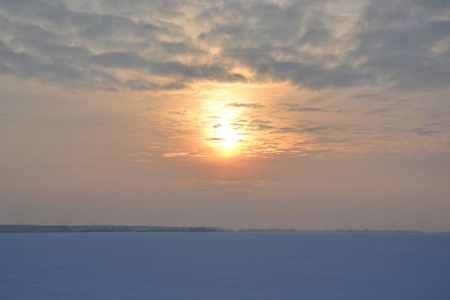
{"x": 214, "y": 139}
{"x": 127, "y": 60}
{"x": 5, "y": 69}
{"x": 297, "y": 107}
{"x": 322, "y": 140}
{"x": 368, "y": 96}
{"x": 258, "y": 124}
{"x": 262, "y": 127}
{"x": 423, "y": 131}
{"x": 179, "y": 48}
{"x": 316, "y": 129}
{"x": 285, "y": 130}
{"x": 305, "y": 109}
{"x": 401, "y": 44}
{"x": 378, "y": 111}
{"x": 259, "y": 121}
{"x": 314, "y": 44}
{"x": 438, "y": 4}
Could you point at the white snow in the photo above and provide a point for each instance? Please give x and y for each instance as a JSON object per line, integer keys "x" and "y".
{"x": 234, "y": 266}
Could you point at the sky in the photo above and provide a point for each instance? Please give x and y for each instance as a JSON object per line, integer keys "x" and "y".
{"x": 235, "y": 114}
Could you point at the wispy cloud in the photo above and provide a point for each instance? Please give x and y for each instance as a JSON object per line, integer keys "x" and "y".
{"x": 175, "y": 154}
{"x": 316, "y": 128}
{"x": 245, "y": 104}
{"x": 306, "y": 109}
{"x": 425, "y": 131}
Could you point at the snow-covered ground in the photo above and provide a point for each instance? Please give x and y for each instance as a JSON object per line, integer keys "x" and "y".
{"x": 235, "y": 266}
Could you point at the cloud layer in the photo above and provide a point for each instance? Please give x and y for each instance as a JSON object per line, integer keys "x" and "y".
{"x": 168, "y": 45}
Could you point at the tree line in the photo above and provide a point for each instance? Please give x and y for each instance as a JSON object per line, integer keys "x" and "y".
{"x": 101, "y": 228}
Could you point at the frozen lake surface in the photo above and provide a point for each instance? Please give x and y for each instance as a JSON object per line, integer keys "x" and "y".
{"x": 234, "y": 266}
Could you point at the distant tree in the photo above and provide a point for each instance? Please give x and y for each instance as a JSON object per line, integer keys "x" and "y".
{"x": 63, "y": 228}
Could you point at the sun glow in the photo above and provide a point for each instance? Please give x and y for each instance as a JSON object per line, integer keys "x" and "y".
{"x": 228, "y": 136}
{"x": 225, "y": 133}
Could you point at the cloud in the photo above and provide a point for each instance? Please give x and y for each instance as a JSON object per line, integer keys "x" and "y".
{"x": 247, "y": 105}
{"x": 258, "y": 124}
{"x": 378, "y": 111}
{"x": 286, "y": 130}
{"x": 438, "y": 4}
{"x": 153, "y": 45}
{"x": 305, "y": 109}
{"x": 322, "y": 140}
{"x": 215, "y": 139}
{"x": 175, "y": 154}
{"x": 403, "y": 41}
{"x": 425, "y": 132}
{"x": 263, "y": 127}
{"x": 259, "y": 121}
{"x": 371, "y": 96}
{"x": 316, "y": 129}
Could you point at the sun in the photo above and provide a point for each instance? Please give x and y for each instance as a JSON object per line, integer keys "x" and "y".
{"x": 225, "y": 133}
{"x": 227, "y": 136}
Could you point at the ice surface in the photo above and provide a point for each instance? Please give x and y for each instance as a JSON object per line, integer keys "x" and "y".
{"x": 235, "y": 266}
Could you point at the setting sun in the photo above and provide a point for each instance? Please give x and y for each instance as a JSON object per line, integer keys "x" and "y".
{"x": 224, "y": 132}
{"x": 228, "y": 136}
